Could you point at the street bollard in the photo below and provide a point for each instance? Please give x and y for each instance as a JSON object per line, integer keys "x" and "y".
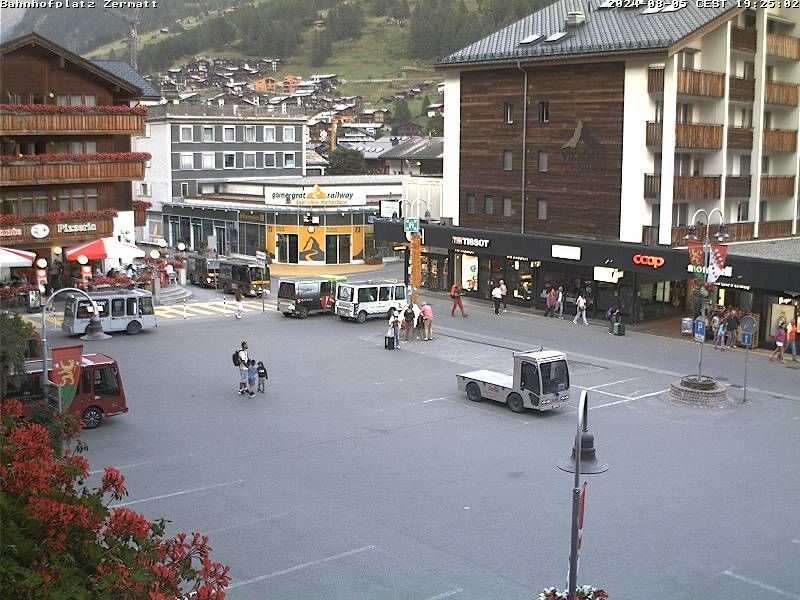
{"x": 224, "y": 307}
{"x": 184, "y": 308}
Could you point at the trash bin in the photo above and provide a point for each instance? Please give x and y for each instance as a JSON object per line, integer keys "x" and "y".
{"x": 686, "y": 326}
{"x": 619, "y": 328}
{"x": 388, "y": 342}
{"x": 33, "y": 301}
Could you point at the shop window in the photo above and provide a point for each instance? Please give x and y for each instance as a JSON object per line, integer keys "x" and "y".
{"x": 543, "y": 156}
{"x": 488, "y": 205}
{"x": 541, "y": 209}
{"x": 508, "y": 113}
{"x": 506, "y": 206}
{"x": 470, "y": 204}
{"x": 544, "y": 111}
{"x": 508, "y": 158}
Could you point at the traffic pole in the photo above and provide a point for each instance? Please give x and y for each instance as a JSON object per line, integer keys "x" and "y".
{"x": 184, "y": 308}
{"x": 746, "y": 354}
{"x": 224, "y": 307}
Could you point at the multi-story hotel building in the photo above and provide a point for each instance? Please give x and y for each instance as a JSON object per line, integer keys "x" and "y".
{"x": 586, "y": 135}
{"x": 65, "y": 131}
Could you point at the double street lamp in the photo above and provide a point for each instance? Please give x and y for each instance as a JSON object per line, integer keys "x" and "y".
{"x": 721, "y": 236}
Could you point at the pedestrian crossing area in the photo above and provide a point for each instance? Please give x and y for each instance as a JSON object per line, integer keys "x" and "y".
{"x": 191, "y": 310}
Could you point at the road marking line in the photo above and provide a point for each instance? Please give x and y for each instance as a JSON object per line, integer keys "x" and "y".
{"x": 447, "y": 594}
{"x": 181, "y": 493}
{"x": 613, "y": 383}
{"x": 437, "y": 399}
{"x": 130, "y": 466}
{"x": 299, "y": 567}
{"x": 165, "y": 315}
{"x": 763, "y": 586}
{"x": 613, "y": 395}
{"x": 796, "y": 541}
{"x": 649, "y": 395}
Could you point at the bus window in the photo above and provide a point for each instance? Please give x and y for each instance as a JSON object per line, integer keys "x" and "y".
{"x": 86, "y": 382}
{"x": 146, "y": 306}
{"x": 132, "y": 307}
{"x": 118, "y": 307}
{"x": 384, "y": 293}
{"x": 105, "y": 382}
{"x": 344, "y": 293}
{"x": 367, "y": 294}
{"x": 286, "y": 290}
{"x": 399, "y": 292}
{"x": 85, "y": 310}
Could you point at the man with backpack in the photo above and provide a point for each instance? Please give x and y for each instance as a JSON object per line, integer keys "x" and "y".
{"x": 241, "y": 360}
{"x": 455, "y": 294}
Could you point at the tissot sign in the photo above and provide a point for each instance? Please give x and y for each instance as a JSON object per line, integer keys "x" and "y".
{"x": 473, "y": 242}
{"x": 645, "y": 260}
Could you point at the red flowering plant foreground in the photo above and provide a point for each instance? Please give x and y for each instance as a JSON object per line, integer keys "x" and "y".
{"x": 59, "y": 217}
{"x": 73, "y": 108}
{"x": 42, "y": 159}
{"x": 61, "y": 539}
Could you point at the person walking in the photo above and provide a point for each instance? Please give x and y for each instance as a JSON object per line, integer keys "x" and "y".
{"x": 408, "y": 322}
{"x": 394, "y": 325}
{"x": 455, "y": 294}
{"x": 560, "y": 302}
{"x": 497, "y": 298}
{"x": 780, "y": 340}
{"x": 731, "y": 325}
{"x": 550, "y": 303}
{"x": 238, "y": 304}
{"x": 252, "y": 377}
{"x": 427, "y": 318}
{"x": 244, "y": 359}
{"x": 580, "y": 310}
{"x": 791, "y": 335}
{"x": 419, "y": 323}
{"x": 262, "y": 377}
{"x": 719, "y": 337}
{"x": 504, "y": 295}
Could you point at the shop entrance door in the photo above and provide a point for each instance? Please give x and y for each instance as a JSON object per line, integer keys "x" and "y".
{"x": 286, "y": 248}
{"x": 337, "y": 249}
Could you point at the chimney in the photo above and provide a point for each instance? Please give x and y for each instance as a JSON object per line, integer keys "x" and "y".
{"x": 574, "y": 19}
{"x": 395, "y": 141}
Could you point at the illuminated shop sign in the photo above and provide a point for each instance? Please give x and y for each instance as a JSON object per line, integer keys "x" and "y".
{"x": 76, "y": 227}
{"x": 726, "y": 272}
{"x": 470, "y": 241}
{"x": 648, "y": 261}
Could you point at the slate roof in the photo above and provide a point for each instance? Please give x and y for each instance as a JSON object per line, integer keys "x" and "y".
{"x": 126, "y": 72}
{"x": 784, "y": 250}
{"x": 417, "y": 148}
{"x": 606, "y": 31}
{"x": 314, "y": 159}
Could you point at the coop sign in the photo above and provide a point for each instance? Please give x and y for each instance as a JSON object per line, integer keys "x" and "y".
{"x": 470, "y": 241}
{"x": 76, "y": 227}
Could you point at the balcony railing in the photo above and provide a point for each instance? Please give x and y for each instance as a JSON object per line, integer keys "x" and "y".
{"x": 784, "y": 46}
{"x": 33, "y": 123}
{"x": 741, "y": 89}
{"x": 780, "y": 140}
{"x": 737, "y": 232}
{"x": 30, "y": 173}
{"x": 743, "y": 39}
{"x": 685, "y": 187}
{"x": 737, "y": 187}
{"x": 64, "y": 231}
{"x": 784, "y": 94}
{"x": 653, "y": 133}
{"x": 655, "y": 80}
{"x": 740, "y": 138}
{"x": 652, "y": 186}
{"x": 777, "y": 186}
{"x": 701, "y": 83}
{"x": 698, "y": 136}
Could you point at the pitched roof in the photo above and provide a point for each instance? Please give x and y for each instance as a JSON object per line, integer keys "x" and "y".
{"x": 126, "y": 72}
{"x": 417, "y": 148}
{"x": 606, "y": 31}
{"x": 313, "y": 158}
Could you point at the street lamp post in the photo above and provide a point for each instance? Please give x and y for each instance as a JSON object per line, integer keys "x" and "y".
{"x": 692, "y": 236}
{"x": 93, "y": 333}
{"x": 415, "y": 253}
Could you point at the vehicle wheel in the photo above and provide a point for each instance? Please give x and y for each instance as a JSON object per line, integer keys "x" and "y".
{"x": 92, "y": 417}
{"x": 134, "y": 327}
{"x": 514, "y": 402}
{"x": 302, "y": 312}
{"x": 287, "y": 314}
{"x": 473, "y": 391}
{"x": 344, "y": 318}
{"x": 362, "y": 317}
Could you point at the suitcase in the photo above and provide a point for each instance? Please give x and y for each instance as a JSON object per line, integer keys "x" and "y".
{"x": 388, "y": 342}
{"x": 619, "y": 328}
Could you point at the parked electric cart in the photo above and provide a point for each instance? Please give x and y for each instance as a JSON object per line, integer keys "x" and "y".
{"x": 540, "y": 381}
{"x": 120, "y": 310}
{"x": 360, "y": 300}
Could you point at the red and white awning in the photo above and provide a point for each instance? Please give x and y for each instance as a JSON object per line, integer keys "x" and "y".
{"x": 109, "y": 247}
{"x": 11, "y": 257}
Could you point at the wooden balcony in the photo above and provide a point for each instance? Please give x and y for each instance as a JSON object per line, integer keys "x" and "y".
{"x": 655, "y": 80}
{"x": 653, "y": 133}
{"x": 701, "y": 83}
{"x": 743, "y": 39}
{"x": 737, "y": 232}
{"x": 60, "y": 232}
{"x": 737, "y": 187}
{"x": 740, "y": 138}
{"x": 685, "y": 187}
{"x": 741, "y": 89}
{"x": 781, "y": 94}
{"x": 29, "y": 173}
{"x": 783, "y": 46}
{"x": 139, "y": 216}
{"x": 774, "y": 229}
{"x": 698, "y": 136}
{"x": 32, "y": 123}
{"x": 777, "y": 186}
{"x": 780, "y": 140}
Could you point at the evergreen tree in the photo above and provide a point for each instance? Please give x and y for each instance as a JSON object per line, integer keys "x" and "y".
{"x": 401, "y": 112}
{"x": 344, "y": 161}
{"x": 14, "y": 332}
{"x": 320, "y": 48}
{"x": 435, "y": 125}
{"x": 426, "y": 102}
{"x": 379, "y": 8}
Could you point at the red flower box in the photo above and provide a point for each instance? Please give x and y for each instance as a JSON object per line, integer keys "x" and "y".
{"x": 141, "y": 204}
{"x": 59, "y": 217}
{"x": 53, "y": 158}
{"x": 74, "y": 108}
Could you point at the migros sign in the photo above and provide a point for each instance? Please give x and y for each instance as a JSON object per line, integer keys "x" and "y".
{"x": 648, "y": 261}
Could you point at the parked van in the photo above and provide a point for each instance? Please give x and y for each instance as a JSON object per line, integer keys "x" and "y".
{"x": 369, "y": 299}
{"x": 120, "y": 310}
{"x": 301, "y": 296}
{"x": 99, "y": 395}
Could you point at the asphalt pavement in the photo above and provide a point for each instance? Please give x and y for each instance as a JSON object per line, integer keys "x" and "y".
{"x": 364, "y": 473}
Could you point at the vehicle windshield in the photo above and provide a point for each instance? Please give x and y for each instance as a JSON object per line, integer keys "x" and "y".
{"x": 286, "y": 289}
{"x": 344, "y": 293}
{"x": 555, "y": 377}
{"x": 146, "y": 306}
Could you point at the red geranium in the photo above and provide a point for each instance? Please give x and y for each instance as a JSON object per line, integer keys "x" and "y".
{"x": 59, "y": 217}
{"x": 8, "y": 159}
{"x": 73, "y": 108}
